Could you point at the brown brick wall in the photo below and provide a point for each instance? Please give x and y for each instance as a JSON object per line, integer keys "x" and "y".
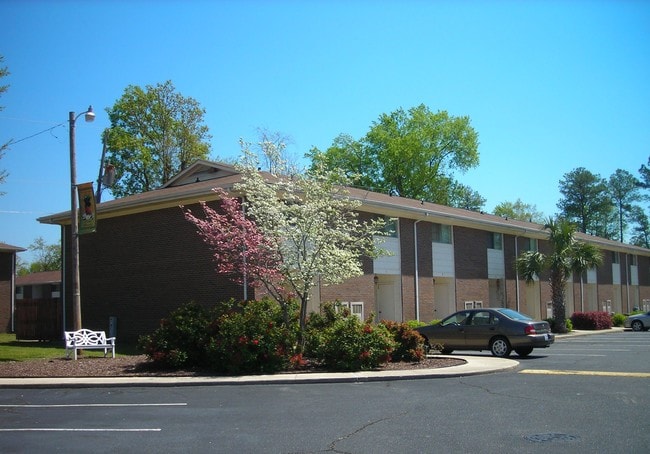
{"x": 141, "y": 267}
{"x": 359, "y": 288}
{"x": 644, "y": 274}
{"x": 470, "y": 250}
{"x": 6, "y": 267}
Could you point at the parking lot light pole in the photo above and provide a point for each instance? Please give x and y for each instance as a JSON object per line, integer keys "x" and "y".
{"x": 89, "y": 116}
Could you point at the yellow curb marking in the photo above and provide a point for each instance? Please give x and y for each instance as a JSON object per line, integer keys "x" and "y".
{"x": 586, "y": 372}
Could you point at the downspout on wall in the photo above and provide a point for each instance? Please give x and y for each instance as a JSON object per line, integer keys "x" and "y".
{"x": 417, "y": 271}
{"x": 516, "y": 276}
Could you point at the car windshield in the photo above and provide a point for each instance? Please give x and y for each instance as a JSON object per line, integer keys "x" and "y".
{"x": 513, "y": 314}
{"x": 455, "y": 319}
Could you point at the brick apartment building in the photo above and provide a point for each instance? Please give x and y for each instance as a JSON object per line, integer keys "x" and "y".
{"x": 7, "y": 285}
{"x": 145, "y": 260}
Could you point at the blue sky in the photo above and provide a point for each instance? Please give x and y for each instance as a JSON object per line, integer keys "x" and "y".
{"x": 549, "y": 85}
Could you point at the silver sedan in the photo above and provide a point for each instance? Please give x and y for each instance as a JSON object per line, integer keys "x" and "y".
{"x": 638, "y": 322}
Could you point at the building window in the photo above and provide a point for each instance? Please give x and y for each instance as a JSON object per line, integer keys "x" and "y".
{"x": 390, "y": 227}
{"x": 356, "y": 308}
{"x": 473, "y": 304}
{"x": 531, "y": 244}
{"x": 616, "y": 257}
{"x": 441, "y": 233}
{"x": 496, "y": 241}
{"x": 633, "y": 260}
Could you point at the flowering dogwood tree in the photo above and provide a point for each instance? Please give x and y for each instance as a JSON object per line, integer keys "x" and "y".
{"x": 288, "y": 232}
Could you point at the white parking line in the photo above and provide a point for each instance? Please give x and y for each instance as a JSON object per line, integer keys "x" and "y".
{"x": 570, "y": 354}
{"x": 599, "y": 349}
{"x": 180, "y": 404}
{"x": 55, "y": 429}
{"x": 586, "y": 372}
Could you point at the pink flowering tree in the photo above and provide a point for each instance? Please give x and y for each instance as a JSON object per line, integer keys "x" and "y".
{"x": 239, "y": 249}
{"x": 289, "y": 233}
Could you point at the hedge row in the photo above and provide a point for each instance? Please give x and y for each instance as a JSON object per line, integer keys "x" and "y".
{"x": 254, "y": 337}
{"x": 591, "y": 320}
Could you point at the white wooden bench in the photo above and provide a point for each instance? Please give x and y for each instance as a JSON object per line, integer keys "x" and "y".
{"x": 86, "y": 339}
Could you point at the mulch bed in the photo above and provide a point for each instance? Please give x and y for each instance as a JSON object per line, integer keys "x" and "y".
{"x": 138, "y": 365}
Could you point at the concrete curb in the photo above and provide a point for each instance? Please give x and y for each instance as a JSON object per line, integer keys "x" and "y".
{"x": 474, "y": 365}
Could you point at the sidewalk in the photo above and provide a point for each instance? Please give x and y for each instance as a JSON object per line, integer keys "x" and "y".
{"x": 475, "y": 365}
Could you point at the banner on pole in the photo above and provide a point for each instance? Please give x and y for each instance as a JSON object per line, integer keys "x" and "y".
{"x": 87, "y": 215}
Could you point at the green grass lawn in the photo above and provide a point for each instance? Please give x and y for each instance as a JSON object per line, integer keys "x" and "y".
{"x": 13, "y": 350}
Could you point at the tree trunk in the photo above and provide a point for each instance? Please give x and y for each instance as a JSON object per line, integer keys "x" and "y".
{"x": 558, "y": 284}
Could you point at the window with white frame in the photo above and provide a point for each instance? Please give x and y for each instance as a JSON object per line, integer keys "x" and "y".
{"x": 356, "y": 308}
{"x": 390, "y": 227}
{"x": 495, "y": 241}
{"x": 441, "y": 233}
{"x": 531, "y": 244}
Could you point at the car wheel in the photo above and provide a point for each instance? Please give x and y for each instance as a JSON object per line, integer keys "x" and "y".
{"x": 524, "y": 351}
{"x": 637, "y": 325}
{"x": 500, "y": 347}
{"x": 446, "y": 351}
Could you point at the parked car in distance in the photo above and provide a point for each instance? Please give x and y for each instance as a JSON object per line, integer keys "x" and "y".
{"x": 638, "y": 322}
{"x": 499, "y": 330}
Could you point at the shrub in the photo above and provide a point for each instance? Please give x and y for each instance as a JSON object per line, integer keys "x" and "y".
{"x": 252, "y": 338}
{"x": 341, "y": 341}
{"x": 554, "y": 328}
{"x": 591, "y": 320}
{"x": 618, "y": 319}
{"x": 415, "y": 323}
{"x": 180, "y": 339}
{"x": 409, "y": 343}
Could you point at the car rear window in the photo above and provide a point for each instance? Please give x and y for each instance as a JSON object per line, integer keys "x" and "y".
{"x": 514, "y": 314}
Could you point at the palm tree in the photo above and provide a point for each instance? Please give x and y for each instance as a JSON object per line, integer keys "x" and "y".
{"x": 568, "y": 256}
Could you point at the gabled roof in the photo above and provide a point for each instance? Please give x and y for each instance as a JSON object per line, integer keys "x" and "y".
{"x": 44, "y": 277}
{"x": 197, "y": 181}
{"x": 201, "y": 170}
{"x": 4, "y": 247}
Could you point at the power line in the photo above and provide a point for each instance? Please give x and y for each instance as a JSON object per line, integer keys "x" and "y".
{"x": 13, "y": 142}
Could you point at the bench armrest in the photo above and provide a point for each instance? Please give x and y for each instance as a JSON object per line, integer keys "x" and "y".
{"x": 110, "y": 340}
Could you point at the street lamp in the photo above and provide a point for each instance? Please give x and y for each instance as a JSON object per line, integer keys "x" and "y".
{"x": 89, "y": 116}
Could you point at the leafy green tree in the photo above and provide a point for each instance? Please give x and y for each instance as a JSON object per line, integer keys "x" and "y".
{"x": 155, "y": 133}
{"x": 412, "y": 153}
{"x": 645, "y": 175}
{"x": 520, "y": 211}
{"x": 566, "y": 257}
{"x": 4, "y": 72}
{"x": 301, "y": 228}
{"x": 47, "y": 258}
{"x": 624, "y": 190}
{"x": 641, "y": 230}
{"x": 586, "y": 201}
{"x": 461, "y": 196}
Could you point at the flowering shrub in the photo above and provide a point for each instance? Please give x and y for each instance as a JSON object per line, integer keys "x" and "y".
{"x": 591, "y": 320}
{"x": 180, "y": 339}
{"x": 252, "y": 338}
{"x": 341, "y": 341}
{"x": 410, "y": 345}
